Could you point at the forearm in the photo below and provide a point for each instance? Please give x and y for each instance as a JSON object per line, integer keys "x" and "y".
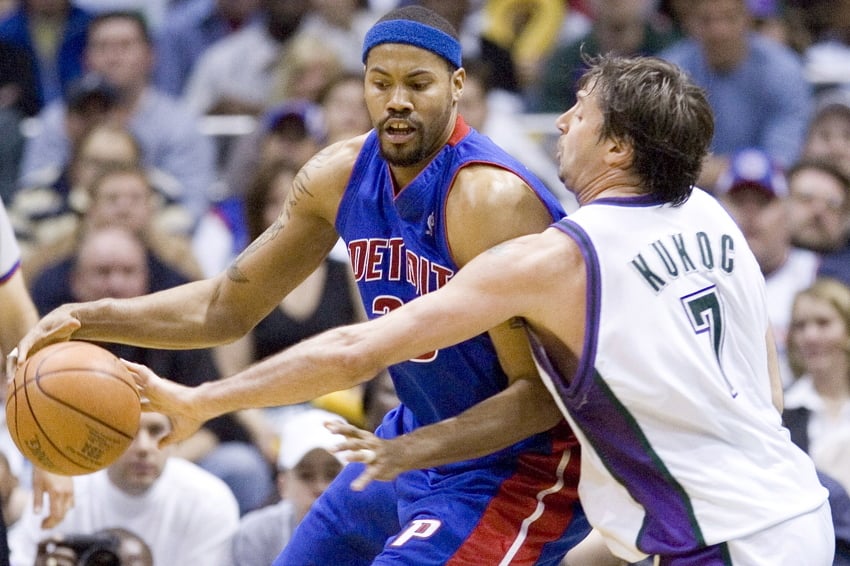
{"x": 181, "y": 317}
{"x": 523, "y": 409}
{"x": 329, "y": 362}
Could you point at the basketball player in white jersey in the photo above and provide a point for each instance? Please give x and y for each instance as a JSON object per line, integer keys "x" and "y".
{"x": 647, "y": 315}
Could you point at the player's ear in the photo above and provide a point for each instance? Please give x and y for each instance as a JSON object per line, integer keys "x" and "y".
{"x": 458, "y": 78}
{"x": 620, "y": 153}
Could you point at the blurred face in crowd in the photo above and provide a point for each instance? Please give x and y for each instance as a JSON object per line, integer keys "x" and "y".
{"x": 290, "y": 142}
{"x": 304, "y": 483}
{"x": 344, "y": 110}
{"x": 111, "y": 262}
{"x": 829, "y": 139}
{"x": 135, "y": 471}
{"x": 721, "y": 27}
{"x": 818, "y": 335}
{"x": 100, "y": 149}
{"x": 118, "y": 49}
{"x": 763, "y": 219}
{"x": 122, "y": 198}
{"x": 619, "y": 24}
{"x": 819, "y": 213}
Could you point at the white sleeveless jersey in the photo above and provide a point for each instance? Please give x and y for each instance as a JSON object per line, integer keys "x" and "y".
{"x": 682, "y": 446}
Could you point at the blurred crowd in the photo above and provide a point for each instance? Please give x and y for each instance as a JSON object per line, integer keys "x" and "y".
{"x": 145, "y": 143}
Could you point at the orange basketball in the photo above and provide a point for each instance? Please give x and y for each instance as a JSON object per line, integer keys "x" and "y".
{"x": 72, "y": 408}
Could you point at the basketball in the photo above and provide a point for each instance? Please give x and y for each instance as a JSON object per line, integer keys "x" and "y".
{"x": 73, "y": 408}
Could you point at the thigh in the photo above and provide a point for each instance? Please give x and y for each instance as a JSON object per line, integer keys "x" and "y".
{"x": 344, "y": 526}
{"x": 521, "y": 511}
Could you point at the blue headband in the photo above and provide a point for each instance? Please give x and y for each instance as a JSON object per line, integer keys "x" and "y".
{"x": 416, "y": 34}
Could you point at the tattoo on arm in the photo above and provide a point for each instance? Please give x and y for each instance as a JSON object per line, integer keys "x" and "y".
{"x": 234, "y": 273}
{"x": 297, "y": 193}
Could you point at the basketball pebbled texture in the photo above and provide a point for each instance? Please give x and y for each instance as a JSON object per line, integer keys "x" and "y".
{"x": 73, "y": 408}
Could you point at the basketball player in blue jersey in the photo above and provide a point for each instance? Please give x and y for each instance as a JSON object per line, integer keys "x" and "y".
{"x": 647, "y": 317}
{"x": 415, "y": 199}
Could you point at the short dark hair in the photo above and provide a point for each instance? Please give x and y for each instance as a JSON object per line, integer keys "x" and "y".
{"x": 653, "y": 106}
{"x": 132, "y": 15}
{"x": 422, "y": 15}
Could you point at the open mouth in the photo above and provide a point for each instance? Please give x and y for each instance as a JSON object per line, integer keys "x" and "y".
{"x": 398, "y": 131}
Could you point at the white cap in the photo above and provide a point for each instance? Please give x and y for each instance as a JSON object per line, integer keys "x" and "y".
{"x": 304, "y": 431}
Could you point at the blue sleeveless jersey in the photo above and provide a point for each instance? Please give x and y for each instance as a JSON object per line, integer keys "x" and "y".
{"x": 399, "y": 250}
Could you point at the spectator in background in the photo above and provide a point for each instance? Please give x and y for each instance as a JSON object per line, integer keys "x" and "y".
{"x": 122, "y": 196}
{"x": 820, "y": 214}
{"x": 291, "y": 131}
{"x": 305, "y": 469}
{"x": 46, "y": 214}
{"x": 817, "y": 404}
{"x": 120, "y": 50}
{"x": 188, "y": 29}
{"x": 107, "y": 261}
{"x": 185, "y": 514}
{"x": 342, "y": 25}
{"x": 623, "y": 27}
{"x": 828, "y": 135}
{"x": 755, "y": 192}
{"x": 53, "y": 34}
{"x": 344, "y": 109}
{"x": 307, "y": 67}
{"x": 236, "y": 75}
{"x": 756, "y": 86}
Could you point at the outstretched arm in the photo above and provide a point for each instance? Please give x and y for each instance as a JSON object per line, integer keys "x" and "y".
{"x": 478, "y": 298}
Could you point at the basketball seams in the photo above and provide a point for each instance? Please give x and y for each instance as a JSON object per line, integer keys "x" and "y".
{"x": 76, "y": 440}
{"x": 58, "y": 373}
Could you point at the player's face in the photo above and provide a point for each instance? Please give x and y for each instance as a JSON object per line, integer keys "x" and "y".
{"x": 580, "y": 150}
{"x": 412, "y": 99}
{"x": 819, "y": 336}
{"x": 136, "y": 470}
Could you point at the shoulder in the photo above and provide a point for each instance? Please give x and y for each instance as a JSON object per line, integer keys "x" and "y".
{"x": 488, "y": 189}
{"x": 332, "y": 165}
{"x": 487, "y": 205}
